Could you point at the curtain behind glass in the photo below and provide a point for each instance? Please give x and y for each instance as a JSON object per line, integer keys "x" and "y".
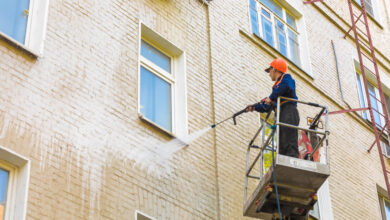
{"x": 156, "y": 99}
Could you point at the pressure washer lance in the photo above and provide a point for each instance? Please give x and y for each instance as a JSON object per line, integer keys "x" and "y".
{"x": 234, "y": 117}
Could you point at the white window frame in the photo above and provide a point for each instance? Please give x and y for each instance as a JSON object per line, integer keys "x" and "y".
{"x": 324, "y": 202}
{"x": 380, "y": 109}
{"x": 376, "y": 12}
{"x": 383, "y": 206}
{"x": 259, "y": 7}
{"x": 17, "y": 192}
{"x": 35, "y": 30}
{"x": 177, "y": 79}
{"x": 372, "y": 6}
{"x": 9, "y": 209}
{"x": 384, "y": 149}
{"x": 164, "y": 75}
{"x": 168, "y": 77}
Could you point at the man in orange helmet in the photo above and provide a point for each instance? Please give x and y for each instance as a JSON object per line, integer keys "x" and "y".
{"x": 284, "y": 86}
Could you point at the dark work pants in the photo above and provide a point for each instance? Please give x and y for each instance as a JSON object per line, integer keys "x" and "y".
{"x": 288, "y": 138}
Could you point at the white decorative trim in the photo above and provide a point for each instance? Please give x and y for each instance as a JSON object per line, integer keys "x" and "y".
{"x": 324, "y": 202}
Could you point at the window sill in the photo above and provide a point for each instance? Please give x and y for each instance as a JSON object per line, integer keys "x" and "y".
{"x": 368, "y": 123}
{"x": 372, "y": 18}
{"x": 18, "y": 45}
{"x": 259, "y": 41}
{"x": 150, "y": 122}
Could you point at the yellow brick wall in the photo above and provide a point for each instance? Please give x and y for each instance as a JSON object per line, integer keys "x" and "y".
{"x": 73, "y": 112}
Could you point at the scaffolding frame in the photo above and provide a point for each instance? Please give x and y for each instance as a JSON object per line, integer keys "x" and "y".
{"x": 361, "y": 37}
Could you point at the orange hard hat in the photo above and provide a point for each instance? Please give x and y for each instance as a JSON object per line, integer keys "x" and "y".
{"x": 278, "y": 64}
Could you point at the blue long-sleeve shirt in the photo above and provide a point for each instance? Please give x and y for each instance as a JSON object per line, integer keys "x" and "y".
{"x": 284, "y": 86}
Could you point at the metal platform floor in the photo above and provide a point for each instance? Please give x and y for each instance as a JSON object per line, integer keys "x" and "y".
{"x": 298, "y": 182}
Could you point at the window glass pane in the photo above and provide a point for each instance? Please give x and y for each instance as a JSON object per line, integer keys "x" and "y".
{"x": 388, "y": 104}
{"x": 291, "y": 21}
{"x": 281, "y": 37}
{"x": 254, "y": 18}
{"x": 387, "y": 210}
{"x": 273, "y": 7}
{"x": 267, "y": 30}
{"x": 156, "y": 99}
{"x": 265, "y": 13}
{"x": 252, "y": 4}
{"x": 13, "y": 20}
{"x": 385, "y": 148}
{"x": 387, "y": 151}
{"x": 155, "y": 56}
{"x": 368, "y": 5}
{"x": 3, "y": 191}
{"x": 294, "y": 47}
{"x": 374, "y": 104}
{"x": 361, "y": 97}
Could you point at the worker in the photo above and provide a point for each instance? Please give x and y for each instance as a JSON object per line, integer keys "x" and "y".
{"x": 284, "y": 86}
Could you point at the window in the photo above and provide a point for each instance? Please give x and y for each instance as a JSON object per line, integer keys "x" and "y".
{"x": 375, "y": 101}
{"x": 276, "y": 26}
{"x": 162, "y": 98}
{"x": 361, "y": 96}
{"x": 13, "y": 18}
{"x": 369, "y": 6}
{"x": 156, "y": 85}
{"x": 4, "y": 179}
{"x": 385, "y": 148}
{"x": 23, "y": 22}
{"x": 385, "y": 207}
{"x": 14, "y": 178}
{"x": 7, "y": 172}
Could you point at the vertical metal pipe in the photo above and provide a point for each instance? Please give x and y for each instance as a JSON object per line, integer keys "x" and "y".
{"x": 326, "y": 136}
{"x": 338, "y": 74}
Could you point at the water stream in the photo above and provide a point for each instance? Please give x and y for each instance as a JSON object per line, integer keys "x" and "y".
{"x": 157, "y": 160}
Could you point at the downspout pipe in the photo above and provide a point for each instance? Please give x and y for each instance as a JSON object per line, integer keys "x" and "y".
{"x": 338, "y": 74}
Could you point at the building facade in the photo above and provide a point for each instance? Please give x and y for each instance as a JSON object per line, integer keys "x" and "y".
{"x": 92, "y": 92}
